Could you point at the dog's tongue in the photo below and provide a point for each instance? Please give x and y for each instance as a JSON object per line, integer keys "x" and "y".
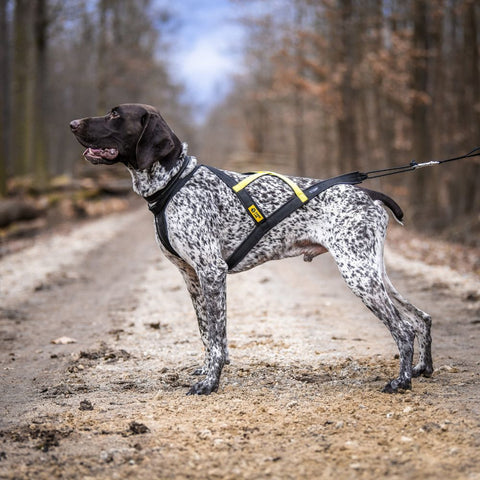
{"x": 100, "y": 153}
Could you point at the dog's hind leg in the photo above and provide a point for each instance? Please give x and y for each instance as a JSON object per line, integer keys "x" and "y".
{"x": 422, "y": 323}
{"x": 357, "y": 247}
{"x": 375, "y": 296}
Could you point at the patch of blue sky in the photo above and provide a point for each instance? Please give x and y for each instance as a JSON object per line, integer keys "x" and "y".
{"x": 207, "y": 51}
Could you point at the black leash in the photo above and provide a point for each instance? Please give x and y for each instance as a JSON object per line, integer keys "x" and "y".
{"x": 415, "y": 166}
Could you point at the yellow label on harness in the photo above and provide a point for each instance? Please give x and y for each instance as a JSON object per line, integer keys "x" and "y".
{"x": 255, "y": 213}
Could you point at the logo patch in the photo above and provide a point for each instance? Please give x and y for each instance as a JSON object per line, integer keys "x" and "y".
{"x": 258, "y": 217}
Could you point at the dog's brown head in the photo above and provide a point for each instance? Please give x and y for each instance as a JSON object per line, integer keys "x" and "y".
{"x": 132, "y": 133}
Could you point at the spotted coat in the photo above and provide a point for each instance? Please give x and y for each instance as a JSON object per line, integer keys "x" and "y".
{"x": 206, "y": 222}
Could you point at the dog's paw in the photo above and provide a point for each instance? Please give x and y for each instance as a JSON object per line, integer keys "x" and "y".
{"x": 425, "y": 370}
{"x": 397, "y": 385}
{"x": 204, "y": 387}
{"x": 388, "y": 388}
{"x": 199, "y": 371}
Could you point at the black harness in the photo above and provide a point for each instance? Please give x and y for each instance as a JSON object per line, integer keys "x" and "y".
{"x": 157, "y": 203}
{"x": 263, "y": 223}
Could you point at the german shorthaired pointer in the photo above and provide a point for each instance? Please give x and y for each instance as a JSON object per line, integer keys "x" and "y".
{"x": 204, "y": 222}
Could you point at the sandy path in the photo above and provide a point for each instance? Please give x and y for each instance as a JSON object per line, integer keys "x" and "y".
{"x": 301, "y": 398}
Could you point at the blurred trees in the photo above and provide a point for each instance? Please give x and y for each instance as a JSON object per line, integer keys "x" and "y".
{"x": 61, "y": 60}
{"x": 326, "y": 86}
{"x": 337, "y": 85}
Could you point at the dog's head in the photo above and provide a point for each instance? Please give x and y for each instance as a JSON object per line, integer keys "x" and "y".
{"x": 132, "y": 133}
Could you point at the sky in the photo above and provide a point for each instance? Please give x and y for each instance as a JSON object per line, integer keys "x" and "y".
{"x": 208, "y": 49}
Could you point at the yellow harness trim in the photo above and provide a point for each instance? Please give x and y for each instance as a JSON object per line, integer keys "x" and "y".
{"x": 251, "y": 178}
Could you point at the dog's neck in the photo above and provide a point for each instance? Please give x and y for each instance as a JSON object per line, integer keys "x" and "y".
{"x": 157, "y": 177}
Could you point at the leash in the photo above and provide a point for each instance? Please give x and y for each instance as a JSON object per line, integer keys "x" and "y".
{"x": 385, "y": 172}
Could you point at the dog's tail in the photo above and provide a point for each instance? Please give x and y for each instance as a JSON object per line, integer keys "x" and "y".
{"x": 387, "y": 201}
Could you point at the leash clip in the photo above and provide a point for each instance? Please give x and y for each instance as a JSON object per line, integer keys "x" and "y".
{"x": 426, "y": 164}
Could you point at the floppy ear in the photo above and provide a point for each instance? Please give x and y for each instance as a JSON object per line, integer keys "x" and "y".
{"x": 157, "y": 142}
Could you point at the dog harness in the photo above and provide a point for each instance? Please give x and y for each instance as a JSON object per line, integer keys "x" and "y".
{"x": 157, "y": 203}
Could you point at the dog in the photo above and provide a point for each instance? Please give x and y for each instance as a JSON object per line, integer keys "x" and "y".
{"x": 205, "y": 222}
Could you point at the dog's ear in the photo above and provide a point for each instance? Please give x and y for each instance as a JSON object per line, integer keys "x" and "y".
{"x": 157, "y": 142}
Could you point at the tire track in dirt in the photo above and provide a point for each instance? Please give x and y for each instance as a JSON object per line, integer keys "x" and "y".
{"x": 79, "y": 285}
{"x": 28, "y": 269}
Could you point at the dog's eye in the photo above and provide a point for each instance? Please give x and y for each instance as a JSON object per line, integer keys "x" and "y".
{"x": 114, "y": 114}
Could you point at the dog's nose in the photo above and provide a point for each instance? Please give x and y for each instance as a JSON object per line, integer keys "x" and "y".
{"x": 74, "y": 124}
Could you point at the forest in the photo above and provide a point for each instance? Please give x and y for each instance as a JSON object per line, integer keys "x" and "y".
{"x": 324, "y": 87}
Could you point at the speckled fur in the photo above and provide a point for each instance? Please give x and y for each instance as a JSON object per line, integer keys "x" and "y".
{"x": 206, "y": 222}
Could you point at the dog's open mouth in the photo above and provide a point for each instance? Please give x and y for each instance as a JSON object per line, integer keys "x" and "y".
{"x": 100, "y": 155}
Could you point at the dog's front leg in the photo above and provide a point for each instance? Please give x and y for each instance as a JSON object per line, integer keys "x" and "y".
{"x": 211, "y": 304}
{"x": 194, "y": 289}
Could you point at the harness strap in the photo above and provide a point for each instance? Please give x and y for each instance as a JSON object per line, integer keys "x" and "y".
{"x": 251, "y": 178}
{"x": 159, "y": 200}
{"x": 157, "y": 203}
{"x": 296, "y": 201}
{"x": 247, "y": 201}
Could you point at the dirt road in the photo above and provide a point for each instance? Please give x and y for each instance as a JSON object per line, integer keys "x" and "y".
{"x": 301, "y": 398}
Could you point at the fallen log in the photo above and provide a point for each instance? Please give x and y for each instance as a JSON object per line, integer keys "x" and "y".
{"x": 15, "y": 210}
{"x": 116, "y": 186}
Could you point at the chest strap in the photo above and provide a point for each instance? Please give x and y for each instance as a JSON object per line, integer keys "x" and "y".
{"x": 157, "y": 203}
{"x": 263, "y": 223}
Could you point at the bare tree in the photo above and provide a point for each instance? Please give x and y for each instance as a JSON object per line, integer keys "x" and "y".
{"x": 298, "y": 91}
{"x": 364, "y": 85}
{"x": 70, "y": 59}
{"x": 344, "y": 61}
{"x": 4, "y": 96}
{"x": 40, "y": 103}
{"x": 22, "y": 87}
{"x": 421, "y": 102}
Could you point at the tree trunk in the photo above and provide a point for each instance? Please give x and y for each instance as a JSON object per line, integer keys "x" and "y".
{"x": 102, "y": 58}
{"x": 23, "y": 88}
{"x": 4, "y": 98}
{"x": 347, "y": 134}
{"x": 420, "y": 106}
{"x": 472, "y": 104}
{"x": 40, "y": 73}
{"x": 298, "y": 100}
